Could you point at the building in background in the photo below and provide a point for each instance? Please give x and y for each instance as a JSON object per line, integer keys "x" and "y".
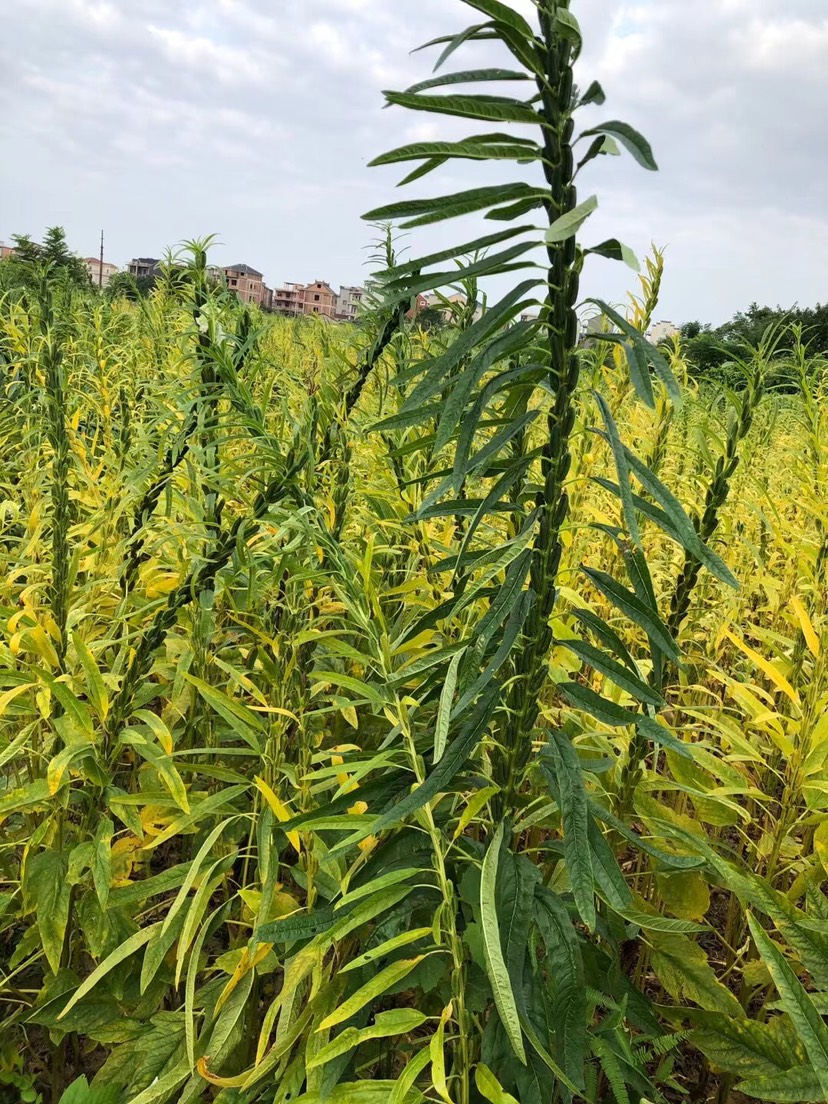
{"x": 247, "y": 283}
{"x": 100, "y": 274}
{"x": 348, "y": 303}
{"x": 288, "y": 299}
{"x": 144, "y": 267}
{"x": 6, "y": 251}
{"x": 662, "y": 331}
{"x": 319, "y": 298}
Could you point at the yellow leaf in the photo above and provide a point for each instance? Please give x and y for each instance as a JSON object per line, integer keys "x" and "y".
{"x": 766, "y": 667}
{"x": 280, "y": 809}
{"x": 358, "y": 808}
{"x": 821, "y": 844}
{"x": 805, "y": 623}
{"x": 246, "y": 964}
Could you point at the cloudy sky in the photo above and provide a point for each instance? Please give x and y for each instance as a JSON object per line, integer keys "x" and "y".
{"x": 255, "y": 119}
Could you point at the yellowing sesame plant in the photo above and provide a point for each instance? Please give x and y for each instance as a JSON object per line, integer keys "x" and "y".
{"x": 392, "y": 715}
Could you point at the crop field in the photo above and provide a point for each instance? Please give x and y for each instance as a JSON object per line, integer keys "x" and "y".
{"x": 392, "y": 714}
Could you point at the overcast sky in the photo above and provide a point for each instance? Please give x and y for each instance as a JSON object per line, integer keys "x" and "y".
{"x": 255, "y": 119}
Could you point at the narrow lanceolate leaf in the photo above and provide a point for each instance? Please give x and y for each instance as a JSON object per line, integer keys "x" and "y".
{"x": 640, "y": 351}
{"x": 568, "y": 225}
{"x": 568, "y": 985}
{"x": 441, "y": 728}
{"x": 398, "y": 1021}
{"x": 495, "y": 964}
{"x": 622, "y": 468}
{"x": 464, "y": 249}
{"x": 467, "y": 76}
{"x": 630, "y": 139}
{"x": 487, "y": 109}
{"x": 616, "y": 672}
{"x": 810, "y": 1026}
{"x": 421, "y": 212}
{"x": 575, "y": 816}
{"x": 499, "y": 147}
{"x": 645, "y": 616}
{"x": 439, "y": 778}
{"x": 127, "y": 948}
{"x": 685, "y": 530}
{"x": 372, "y": 990}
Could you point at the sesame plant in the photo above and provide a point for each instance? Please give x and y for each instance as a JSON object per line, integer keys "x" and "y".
{"x": 395, "y": 713}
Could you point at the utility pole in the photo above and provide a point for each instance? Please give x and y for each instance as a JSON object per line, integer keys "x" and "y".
{"x": 100, "y": 266}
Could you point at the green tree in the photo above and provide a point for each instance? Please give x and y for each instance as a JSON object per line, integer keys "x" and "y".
{"x": 25, "y": 266}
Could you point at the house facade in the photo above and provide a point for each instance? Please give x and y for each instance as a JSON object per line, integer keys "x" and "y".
{"x": 348, "y": 303}
{"x": 100, "y": 274}
{"x": 319, "y": 298}
{"x": 5, "y": 251}
{"x": 140, "y": 267}
{"x": 247, "y": 283}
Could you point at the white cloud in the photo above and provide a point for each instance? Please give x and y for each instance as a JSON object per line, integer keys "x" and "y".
{"x": 166, "y": 121}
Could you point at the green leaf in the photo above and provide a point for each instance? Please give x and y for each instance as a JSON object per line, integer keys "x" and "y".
{"x": 682, "y": 968}
{"x": 298, "y": 926}
{"x": 386, "y": 948}
{"x": 102, "y": 860}
{"x": 593, "y": 95}
{"x": 567, "y": 984}
{"x": 747, "y": 1048}
{"x": 399, "y": 1021}
{"x": 645, "y": 616}
{"x": 616, "y": 250}
{"x": 809, "y": 1025}
{"x": 490, "y": 1088}
{"x": 632, "y": 141}
{"x": 568, "y": 225}
{"x": 468, "y": 76}
{"x": 95, "y": 686}
{"x": 572, "y": 800}
{"x": 800, "y": 1085}
{"x": 616, "y": 672}
{"x": 440, "y": 777}
{"x": 495, "y": 964}
{"x": 567, "y": 26}
{"x": 505, "y": 14}
{"x": 639, "y": 351}
{"x": 441, "y": 727}
{"x": 422, "y": 212}
{"x": 415, "y": 267}
{"x": 683, "y": 527}
{"x": 622, "y": 469}
{"x": 378, "y": 985}
{"x": 127, "y": 948}
{"x": 487, "y": 109}
{"x": 48, "y": 892}
{"x": 601, "y": 708}
{"x": 242, "y": 720}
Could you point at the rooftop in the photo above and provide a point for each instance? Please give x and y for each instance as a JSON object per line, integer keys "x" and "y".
{"x": 244, "y": 269}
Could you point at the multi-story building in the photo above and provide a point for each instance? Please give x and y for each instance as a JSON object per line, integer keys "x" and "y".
{"x": 143, "y": 267}
{"x": 662, "y": 331}
{"x": 101, "y": 274}
{"x": 5, "y": 251}
{"x": 348, "y": 303}
{"x": 288, "y": 299}
{"x": 247, "y": 283}
{"x": 319, "y": 298}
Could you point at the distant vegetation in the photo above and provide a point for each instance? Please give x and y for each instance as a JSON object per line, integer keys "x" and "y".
{"x": 394, "y": 714}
